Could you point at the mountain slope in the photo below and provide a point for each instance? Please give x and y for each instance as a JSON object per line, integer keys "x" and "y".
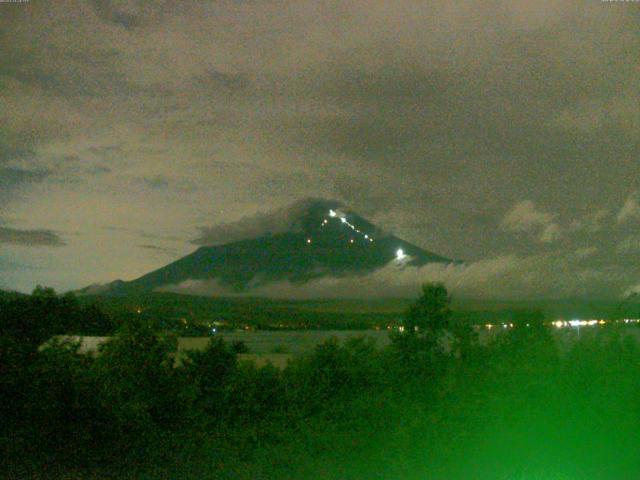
{"x": 322, "y": 240}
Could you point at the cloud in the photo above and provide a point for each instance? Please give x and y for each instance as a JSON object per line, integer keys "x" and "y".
{"x": 630, "y": 244}
{"x": 281, "y": 220}
{"x": 10, "y": 177}
{"x": 432, "y": 115}
{"x": 591, "y": 223}
{"x": 503, "y": 277}
{"x": 30, "y": 238}
{"x": 585, "y": 252}
{"x": 156, "y": 182}
{"x": 230, "y": 81}
{"x": 619, "y": 112}
{"x": 631, "y": 208}
{"x": 159, "y": 249}
{"x": 525, "y": 217}
{"x": 396, "y": 280}
{"x": 15, "y": 182}
{"x": 631, "y": 291}
{"x": 130, "y": 14}
{"x": 551, "y": 233}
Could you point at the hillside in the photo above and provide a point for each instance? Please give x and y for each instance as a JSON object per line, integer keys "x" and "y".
{"x": 323, "y": 239}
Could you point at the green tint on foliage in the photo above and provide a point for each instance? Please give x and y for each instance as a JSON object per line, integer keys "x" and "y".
{"x": 333, "y": 371}
{"x": 136, "y": 382}
{"x": 431, "y": 311}
{"x": 524, "y": 406}
{"x": 422, "y": 342}
{"x": 35, "y": 319}
{"x": 208, "y": 372}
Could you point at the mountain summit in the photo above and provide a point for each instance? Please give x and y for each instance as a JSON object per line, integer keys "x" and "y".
{"x": 311, "y": 239}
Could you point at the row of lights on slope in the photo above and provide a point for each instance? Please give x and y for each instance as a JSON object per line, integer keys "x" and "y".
{"x": 334, "y": 214}
{"x": 400, "y": 255}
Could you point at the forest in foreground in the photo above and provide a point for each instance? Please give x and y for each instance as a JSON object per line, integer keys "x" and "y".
{"x": 518, "y": 408}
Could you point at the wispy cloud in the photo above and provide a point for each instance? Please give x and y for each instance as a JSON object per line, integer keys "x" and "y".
{"x": 525, "y": 217}
{"x": 631, "y": 208}
{"x": 280, "y": 220}
{"x": 585, "y": 252}
{"x": 630, "y": 244}
{"x": 591, "y": 223}
{"x": 10, "y": 177}
{"x": 507, "y": 276}
{"x": 30, "y": 238}
{"x": 159, "y": 249}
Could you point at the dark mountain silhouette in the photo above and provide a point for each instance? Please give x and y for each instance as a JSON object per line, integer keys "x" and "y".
{"x": 322, "y": 238}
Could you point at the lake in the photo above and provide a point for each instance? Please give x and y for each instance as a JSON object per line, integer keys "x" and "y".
{"x": 278, "y": 346}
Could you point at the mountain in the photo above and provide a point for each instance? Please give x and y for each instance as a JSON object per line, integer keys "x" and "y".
{"x": 317, "y": 238}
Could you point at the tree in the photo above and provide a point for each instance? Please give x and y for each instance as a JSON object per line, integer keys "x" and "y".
{"x": 137, "y": 386}
{"x": 32, "y": 320}
{"x": 431, "y": 312}
{"x": 425, "y": 325}
{"x": 210, "y": 372}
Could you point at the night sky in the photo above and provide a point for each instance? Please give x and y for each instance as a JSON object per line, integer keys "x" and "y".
{"x": 506, "y": 134}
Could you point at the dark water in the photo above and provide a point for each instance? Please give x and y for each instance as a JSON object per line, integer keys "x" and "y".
{"x": 296, "y": 342}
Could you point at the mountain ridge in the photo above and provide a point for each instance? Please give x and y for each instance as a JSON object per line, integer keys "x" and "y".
{"x": 322, "y": 238}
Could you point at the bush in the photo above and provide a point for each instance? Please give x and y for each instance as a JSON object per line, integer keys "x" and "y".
{"x": 333, "y": 372}
{"x": 208, "y": 372}
{"x": 138, "y": 390}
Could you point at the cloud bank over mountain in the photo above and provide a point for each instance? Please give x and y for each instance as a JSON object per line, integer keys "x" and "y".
{"x": 508, "y": 277}
{"x": 281, "y": 220}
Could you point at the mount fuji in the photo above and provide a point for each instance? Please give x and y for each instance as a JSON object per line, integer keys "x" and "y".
{"x": 311, "y": 239}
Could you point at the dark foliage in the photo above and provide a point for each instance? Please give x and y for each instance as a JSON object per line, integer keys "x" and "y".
{"x": 435, "y": 404}
{"x": 35, "y": 319}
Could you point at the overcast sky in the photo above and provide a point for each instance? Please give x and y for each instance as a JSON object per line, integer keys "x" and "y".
{"x": 502, "y": 133}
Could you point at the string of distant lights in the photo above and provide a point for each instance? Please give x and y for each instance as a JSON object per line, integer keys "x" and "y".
{"x": 576, "y": 323}
{"x": 343, "y": 219}
{"x": 400, "y": 255}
